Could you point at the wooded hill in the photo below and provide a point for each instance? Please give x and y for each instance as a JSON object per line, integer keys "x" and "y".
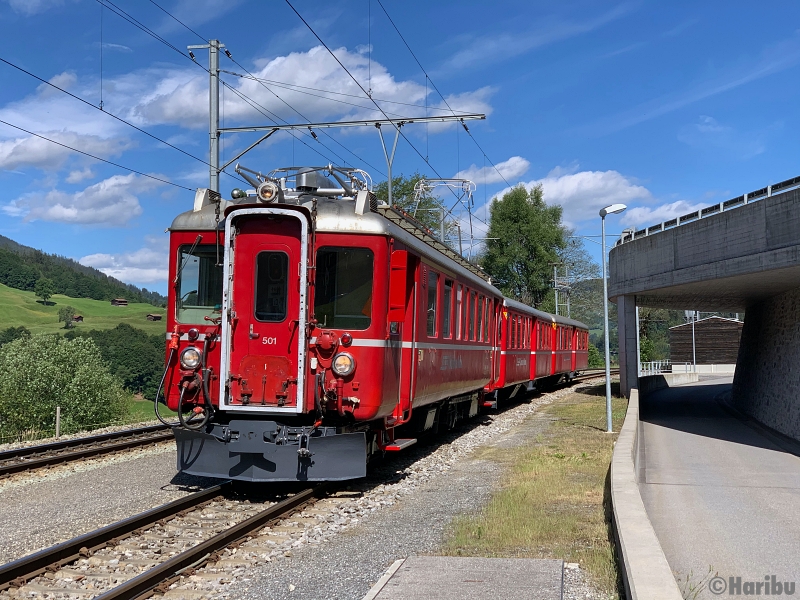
{"x": 21, "y": 267}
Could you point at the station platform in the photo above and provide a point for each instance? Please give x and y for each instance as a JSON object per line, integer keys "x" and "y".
{"x": 721, "y": 491}
{"x": 466, "y": 578}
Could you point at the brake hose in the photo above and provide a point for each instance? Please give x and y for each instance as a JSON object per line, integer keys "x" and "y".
{"x": 160, "y": 387}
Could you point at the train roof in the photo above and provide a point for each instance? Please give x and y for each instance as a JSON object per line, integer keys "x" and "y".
{"x": 338, "y": 215}
{"x": 524, "y": 308}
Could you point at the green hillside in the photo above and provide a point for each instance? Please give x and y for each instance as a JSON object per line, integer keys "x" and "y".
{"x": 21, "y": 308}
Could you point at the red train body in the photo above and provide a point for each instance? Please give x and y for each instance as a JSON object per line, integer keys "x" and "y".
{"x": 306, "y": 332}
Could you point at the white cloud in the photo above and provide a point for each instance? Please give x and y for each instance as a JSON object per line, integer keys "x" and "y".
{"x": 175, "y": 96}
{"x": 37, "y": 152}
{"x": 78, "y": 176}
{"x": 582, "y": 194}
{"x": 646, "y": 216}
{"x": 147, "y": 265}
{"x": 509, "y": 169}
{"x": 111, "y": 202}
{"x": 64, "y": 80}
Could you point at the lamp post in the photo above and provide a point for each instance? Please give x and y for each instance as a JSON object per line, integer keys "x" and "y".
{"x": 608, "y": 210}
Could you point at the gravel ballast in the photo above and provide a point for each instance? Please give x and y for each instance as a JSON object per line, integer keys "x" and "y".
{"x": 406, "y": 506}
{"x": 45, "y": 508}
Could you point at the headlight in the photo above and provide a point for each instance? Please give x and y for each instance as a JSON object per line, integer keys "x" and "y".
{"x": 268, "y": 191}
{"x": 190, "y": 358}
{"x": 343, "y": 364}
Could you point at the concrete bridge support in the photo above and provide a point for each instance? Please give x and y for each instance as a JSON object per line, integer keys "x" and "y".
{"x": 628, "y": 350}
{"x": 767, "y": 381}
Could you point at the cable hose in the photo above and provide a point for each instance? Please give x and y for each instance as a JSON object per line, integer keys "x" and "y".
{"x": 187, "y": 423}
{"x": 160, "y": 387}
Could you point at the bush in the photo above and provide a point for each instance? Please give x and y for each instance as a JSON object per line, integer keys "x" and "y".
{"x": 41, "y": 372}
{"x": 595, "y": 358}
{"x": 66, "y": 314}
{"x": 13, "y": 333}
{"x": 132, "y": 355}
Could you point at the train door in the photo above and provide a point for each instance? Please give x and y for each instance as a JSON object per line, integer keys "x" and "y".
{"x": 264, "y": 311}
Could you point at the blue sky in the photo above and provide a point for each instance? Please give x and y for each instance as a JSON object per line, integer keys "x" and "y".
{"x": 666, "y": 107}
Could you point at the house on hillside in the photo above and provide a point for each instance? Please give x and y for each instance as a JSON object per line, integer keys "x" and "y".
{"x": 119, "y": 302}
{"x": 77, "y": 319}
{"x": 153, "y": 317}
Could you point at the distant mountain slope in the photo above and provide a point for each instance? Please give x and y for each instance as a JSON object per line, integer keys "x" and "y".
{"x": 21, "y": 266}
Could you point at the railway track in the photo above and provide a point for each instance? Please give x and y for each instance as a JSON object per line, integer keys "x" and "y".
{"x": 55, "y": 453}
{"x": 146, "y": 553}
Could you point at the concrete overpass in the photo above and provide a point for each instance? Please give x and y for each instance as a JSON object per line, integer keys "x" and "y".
{"x": 738, "y": 255}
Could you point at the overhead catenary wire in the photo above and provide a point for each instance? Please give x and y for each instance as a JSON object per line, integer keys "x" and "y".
{"x": 438, "y": 92}
{"x": 230, "y": 56}
{"x": 96, "y": 157}
{"x": 361, "y": 87}
{"x": 136, "y": 23}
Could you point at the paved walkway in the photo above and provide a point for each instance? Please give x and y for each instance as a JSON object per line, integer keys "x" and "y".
{"x": 722, "y": 493}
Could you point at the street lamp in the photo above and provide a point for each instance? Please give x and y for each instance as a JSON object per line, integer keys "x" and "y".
{"x": 608, "y": 210}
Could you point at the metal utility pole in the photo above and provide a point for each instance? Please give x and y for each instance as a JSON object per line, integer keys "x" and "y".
{"x": 694, "y": 355}
{"x": 389, "y": 157}
{"x": 555, "y": 284}
{"x": 213, "y": 47}
{"x": 566, "y": 276}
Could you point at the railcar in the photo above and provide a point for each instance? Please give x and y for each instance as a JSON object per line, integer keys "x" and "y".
{"x": 310, "y": 325}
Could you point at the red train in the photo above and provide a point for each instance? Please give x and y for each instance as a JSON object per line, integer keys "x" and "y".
{"x": 311, "y": 326}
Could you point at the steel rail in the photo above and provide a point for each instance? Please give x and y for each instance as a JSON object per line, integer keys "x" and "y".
{"x": 142, "y": 586}
{"x": 96, "y": 447}
{"x": 18, "y": 572}
{"x": 81, "y": 441}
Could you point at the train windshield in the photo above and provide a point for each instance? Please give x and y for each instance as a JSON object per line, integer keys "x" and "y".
{"x": 343, "y": 291}
{"x": 199, "y": 289}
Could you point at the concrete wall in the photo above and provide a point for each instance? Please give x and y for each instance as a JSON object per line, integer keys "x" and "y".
{"x": 724, "y": 262}
{"x": 767, "y": 381}
{"x": 651, "y": 383}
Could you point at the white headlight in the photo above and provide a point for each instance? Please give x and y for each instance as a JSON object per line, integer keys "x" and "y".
{"x": 268, "y": 191}
{"x": 343, "y": 364}
{"x": 190, "y": 358}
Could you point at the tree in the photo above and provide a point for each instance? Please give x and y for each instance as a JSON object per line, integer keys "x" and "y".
{"x": 13, "y": 333}
{"x": 44, "y": 289}
{"x": 66, "y": 315}
{"x": 524, "y": 240}
{"x": 41, "y": 372}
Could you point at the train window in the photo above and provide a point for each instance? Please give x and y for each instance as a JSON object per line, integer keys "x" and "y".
{"x": 199, "y": 284}
{"x": 272, "y": 270}
{"x": 486, "y": 320}
{"x": 447, "y": 309}
{"x": 471, "y": 316}
{"x": 433, "y": 293}
{"x": 459, "y": 312}
{"x": 513, "y": 332}
{"x": 343, "y": 290}
{"x": 480, "y": 309}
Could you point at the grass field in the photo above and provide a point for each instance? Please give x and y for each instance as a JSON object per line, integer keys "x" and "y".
{"x": 555, "y": 499}
{"x": 24, "y": 308}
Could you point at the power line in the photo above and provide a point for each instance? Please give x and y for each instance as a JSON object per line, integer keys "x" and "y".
{"x": 397, "y": 127}
{"x": 228, "y": 54}
{"x": 86, "y": 102}
{"x": 292, "y": 86}
{"x": 438, "y": 92}
{"x": 95, "y": 157}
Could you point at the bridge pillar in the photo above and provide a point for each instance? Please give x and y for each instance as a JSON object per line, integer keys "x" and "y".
{"x": 628, "y": 352}
{"x": 767, "y": 376}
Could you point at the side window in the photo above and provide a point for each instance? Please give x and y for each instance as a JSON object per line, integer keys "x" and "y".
{"x": 447, "y": 309}
{"x": 479, "y": 334}
{"x": 433, "y": 295}
{"x": 513, "y": 331}
{"x": 343, "y": 289}
{"x": 459, "y": 312}
{"x": 489, "y": 313}
{"x": 471, "y": 315}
